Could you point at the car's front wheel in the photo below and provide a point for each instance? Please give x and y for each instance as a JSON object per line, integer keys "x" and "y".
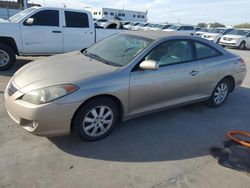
{"x": 220, "y": 93}
{"x": 7, "y": 57}
{"x": 96, "y": 119}
{"x": 242, "y": 45}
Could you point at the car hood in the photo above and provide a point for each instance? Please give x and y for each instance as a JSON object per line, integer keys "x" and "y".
{"x": 234, "y": 36}
{"x": 213, "y": 34}
{"x": 60, "y": 69}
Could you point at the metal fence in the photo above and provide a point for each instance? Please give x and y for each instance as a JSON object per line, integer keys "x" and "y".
{"x": 7, "y": 13}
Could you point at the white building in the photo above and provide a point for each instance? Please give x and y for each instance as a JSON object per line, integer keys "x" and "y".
{"x": 125, "y": 15}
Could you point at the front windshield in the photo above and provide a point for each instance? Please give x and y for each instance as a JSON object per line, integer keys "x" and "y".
{"x": 239, "y": 32}
{"x": 118, "y": 50}
{"x": 217, "y": 31}
{"x": 174, "y": 27}
{"x": 21, "y": 15}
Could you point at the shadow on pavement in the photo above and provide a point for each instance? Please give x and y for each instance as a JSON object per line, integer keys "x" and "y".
{"x": 20, "y": 62}
{"x": 176, "y": 134}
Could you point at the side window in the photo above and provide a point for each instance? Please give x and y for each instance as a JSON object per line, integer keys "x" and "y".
{"x": 203, "y": 51}
{"x": 180, "y": 28}
{"x": 41, "y": 18}
{"x": 188, "y": 28}
{"x": 171, "y": 52}
{"x": 76, "y": 19}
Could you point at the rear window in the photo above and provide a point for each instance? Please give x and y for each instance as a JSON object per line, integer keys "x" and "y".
{"x": 204, "y": 51}
{"x": 76, "y": 19}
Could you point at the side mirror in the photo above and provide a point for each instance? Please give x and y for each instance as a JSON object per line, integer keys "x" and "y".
{"x": 149, "y": 65}
{"x": 29, "y": 21}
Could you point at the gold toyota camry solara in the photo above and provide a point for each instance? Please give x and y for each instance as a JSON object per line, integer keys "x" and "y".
{"x": 120, "y": 77}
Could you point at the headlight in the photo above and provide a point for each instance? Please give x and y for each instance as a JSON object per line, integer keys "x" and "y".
{"x": 44, "y": 95}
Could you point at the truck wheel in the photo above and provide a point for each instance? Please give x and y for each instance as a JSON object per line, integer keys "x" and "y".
{"x": 242, "y": 45}
{"x": 114, "y": 25}
{"x": 7, "y": 57}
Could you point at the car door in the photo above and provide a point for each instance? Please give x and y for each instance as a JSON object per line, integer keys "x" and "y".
{"x": 42, "y": 33}
{"x": 248, "y": 41}
{"x": 78, "y": 31}
{"x": 175, "y": 82}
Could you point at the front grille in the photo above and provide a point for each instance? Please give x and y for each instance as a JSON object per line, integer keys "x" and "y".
{"x": 12, "y": 89}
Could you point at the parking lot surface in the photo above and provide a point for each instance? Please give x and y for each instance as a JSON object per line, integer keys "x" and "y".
{"x": 166, "y": 149}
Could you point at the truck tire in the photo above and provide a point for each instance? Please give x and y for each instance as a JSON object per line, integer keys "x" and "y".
{"x": 7, "y": 57}
{"x": 114, "y": 25}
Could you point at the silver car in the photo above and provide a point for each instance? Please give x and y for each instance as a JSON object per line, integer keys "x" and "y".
{"x": 121, "y": 77}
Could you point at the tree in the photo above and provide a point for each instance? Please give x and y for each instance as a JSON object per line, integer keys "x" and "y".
{"x": 201, "y": 25}
{"x": 216, "y": 24}
{"x": 243, "y": 25}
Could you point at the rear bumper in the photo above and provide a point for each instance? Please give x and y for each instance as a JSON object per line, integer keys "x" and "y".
{"x": 49, "y": 119}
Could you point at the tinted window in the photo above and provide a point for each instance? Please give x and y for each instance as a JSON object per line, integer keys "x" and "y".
{"x": 204, "y": 51}
{"x": 188, "y": 28}
{"x": 76, "y": 19}
{"x": 41, "y": 18}
{"x": 171, "y": 52}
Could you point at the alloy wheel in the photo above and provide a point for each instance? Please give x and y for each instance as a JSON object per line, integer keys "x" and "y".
{"x": 220, "y": 93}
{"x": 4, "y": 58}
{"x": 98, "y": 121}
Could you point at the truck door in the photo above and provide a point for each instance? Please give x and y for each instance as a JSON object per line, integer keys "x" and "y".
{"x": 42, "y": 33}
{"x": 78, "y": 31}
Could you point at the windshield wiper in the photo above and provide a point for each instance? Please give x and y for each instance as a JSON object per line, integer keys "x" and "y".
{"x": 97, "y": 57}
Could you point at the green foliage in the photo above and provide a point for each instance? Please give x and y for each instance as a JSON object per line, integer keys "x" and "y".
{"x": 243, "y": 25}
{"x": 201, "y": 25}
{"x": 216, "y": 24}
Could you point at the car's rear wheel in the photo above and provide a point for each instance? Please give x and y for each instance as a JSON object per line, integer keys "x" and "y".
{"x": 7, "y": 57}
{"x": 220, "y": 93}
{"x": 242, "y": 45}
{"x": 96, "y": 119}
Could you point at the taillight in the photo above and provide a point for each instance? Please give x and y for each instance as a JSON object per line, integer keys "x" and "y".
{"x": 241, "y": 61}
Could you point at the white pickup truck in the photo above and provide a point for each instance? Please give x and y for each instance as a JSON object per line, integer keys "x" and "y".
{"x": 47, "y": 31}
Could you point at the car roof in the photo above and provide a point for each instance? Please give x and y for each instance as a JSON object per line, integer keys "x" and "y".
{"x": 154, "y": 35}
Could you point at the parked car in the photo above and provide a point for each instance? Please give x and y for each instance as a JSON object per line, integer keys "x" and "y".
{"x": 239, "y": 38}
{"x": 47, "y": 31}
{"x": 139, "y": 26}
{"x": 129, "y": 26}
{"x": 215, "y": 34}
{"x": 148, "y": 27}
{"x": 202, "y": 31}
{"x": 160, "y": 27}
{"x": 101, "y": 22}
{"x": 184, "y": 29}
{"x": 140, "y": 72}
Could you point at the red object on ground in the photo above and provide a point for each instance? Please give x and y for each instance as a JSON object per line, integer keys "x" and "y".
{"x": 231, "y": 136}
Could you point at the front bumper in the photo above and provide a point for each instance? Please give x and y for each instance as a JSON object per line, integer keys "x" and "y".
{"x": 225, "y": 43}
{"x": 49, "y": 119}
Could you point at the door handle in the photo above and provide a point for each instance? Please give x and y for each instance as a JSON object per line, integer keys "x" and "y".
{"x": 193, "y": 73}
{"x": 56, "y": 32}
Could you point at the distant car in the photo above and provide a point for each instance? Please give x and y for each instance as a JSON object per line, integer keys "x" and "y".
{"x": 239, "y": 38}
{"x": 100, "y": 22}
{"x": 202, "y": 31}
{"x": 120, "y": 77}
{"x": 184, "y": 29}
{"x": 197, "y": 28}
{"x": 139, "y": 26}
{"x": 160, "y": 27}
{"x": 130, "y": 25}
{"x": 148, "y": 27}
{"x": 216, "y": 34}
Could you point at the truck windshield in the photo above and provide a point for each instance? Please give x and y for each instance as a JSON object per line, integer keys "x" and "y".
{"x": 21, "y": 15}
{"x": 118, "y": 50}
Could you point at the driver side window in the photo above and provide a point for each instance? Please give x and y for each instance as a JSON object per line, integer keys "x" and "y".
{"x": 171, "y": 52}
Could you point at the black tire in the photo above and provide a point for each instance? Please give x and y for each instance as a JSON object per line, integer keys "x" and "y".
{"x": 212, "y": 100}
{"x": 114, "y": 25}
{"x": 9, "y": 54}
{"x": 242, "y": 45}
{"x": 86, "y": 109}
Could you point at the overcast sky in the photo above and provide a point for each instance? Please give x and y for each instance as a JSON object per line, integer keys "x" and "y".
{"x": 228, "y": 12}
